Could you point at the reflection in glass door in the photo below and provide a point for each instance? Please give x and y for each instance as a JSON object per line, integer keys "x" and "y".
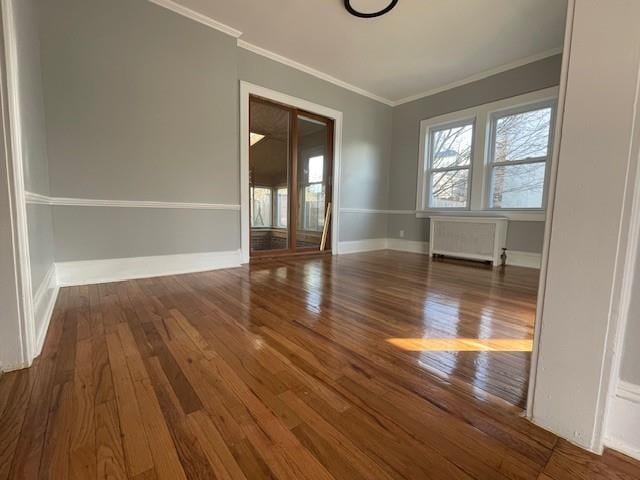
{"x": 290, "y": 173}
{"x": 269, "y": 167}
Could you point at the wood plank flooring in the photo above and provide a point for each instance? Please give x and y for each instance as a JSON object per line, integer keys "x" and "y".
{"x": 369, "y": 366}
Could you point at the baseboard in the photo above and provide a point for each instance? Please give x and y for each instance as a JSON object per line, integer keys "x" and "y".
{"x": 407, "y": 245}
{"x": 44, "y": 300}
{"x": 366, "y": 245}
{"x": 119, "y": 269}
{"x": 524, "y": 259}
{"x": 623, "y": 433}
{"x": 514, "y": 257}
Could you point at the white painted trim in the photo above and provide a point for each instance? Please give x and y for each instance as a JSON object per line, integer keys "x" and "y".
{"x": 374, "y": 211}
{"x": 524, "y": 259}
{"x": 481, "y": 76}
{"x": 44, "y": 301}
{"x": 35, "y": 198}
{"x": 89, "y": 272}
{"x": 247, "y": 89}
{"x": 312, "y": 71}
{"x": 27, "y": 328}
{"x": 623, "y": 419}
{"x": 514, "y": 215}
{"x": 551, "y": 188}
{"x": 412, "y": 246}
{"x": 367, "y": 245}
{"x": 514, "y": 258}
{"x": 619, "y": 391}
{"x": 198, "y": 17}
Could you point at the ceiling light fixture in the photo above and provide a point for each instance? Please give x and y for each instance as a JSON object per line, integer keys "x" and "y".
{"x": 379, "y": 13}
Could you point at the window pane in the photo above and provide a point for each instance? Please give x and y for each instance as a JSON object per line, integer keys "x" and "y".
{"x": 518, "y": 186}
{"x": 451, "y": 147}
{"x": 282, "y": 209}
{"x": 316, "y": 167}
{"x": 449, "y": 189}
{"x": 522, "y": 135}
{"x": 261, "y": 207}
{"x": 313, "y": 208}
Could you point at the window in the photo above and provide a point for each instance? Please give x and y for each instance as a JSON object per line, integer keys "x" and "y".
{"x": 282, "y": 207}
{"x": 520, "y": 146}
{"x": 261, "y": 207}
{"x": 489, "y": 158}
{"x": 312, "y": 196}
{"x": 450, "y": 154}
{"x": 316, "y": 167}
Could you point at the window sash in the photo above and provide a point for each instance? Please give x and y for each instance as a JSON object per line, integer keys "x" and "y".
{"x": 430, "y": 171}
{"x": 492, "y": 164}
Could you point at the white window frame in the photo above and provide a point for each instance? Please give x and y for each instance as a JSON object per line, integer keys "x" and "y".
{"x": 491, "y": 163}
{"x": 430, "y": 171}
{"x": 480, "y": 170}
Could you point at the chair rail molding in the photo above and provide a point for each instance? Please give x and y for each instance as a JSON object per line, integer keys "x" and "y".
{"x": 35, "y": 198}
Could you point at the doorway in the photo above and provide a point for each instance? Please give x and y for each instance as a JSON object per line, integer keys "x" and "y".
{"x": 291, "y": 161}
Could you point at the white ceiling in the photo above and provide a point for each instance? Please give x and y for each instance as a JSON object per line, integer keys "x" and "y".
{"x": 421, "y": 46}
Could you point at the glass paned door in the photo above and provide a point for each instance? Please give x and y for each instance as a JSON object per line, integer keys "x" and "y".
{"x": 269, "y": 175}
{"x": 314, "y": 164}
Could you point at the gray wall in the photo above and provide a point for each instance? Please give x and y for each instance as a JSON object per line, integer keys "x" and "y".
{"x": 34, "y": 146}
{"x": 148, "y": 110}
{"x": 523, "y": 236}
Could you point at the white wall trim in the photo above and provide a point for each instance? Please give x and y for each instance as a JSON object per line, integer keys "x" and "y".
{"x": 623, "y": 419}
{"x": 247, "y": 89}
{"x": 198, "y": 17}
{"x": 514, "y": 258}
{"x": 88, "y": 272}
{"x": 44, "y": 301}
{"x": 514, "y": 215}
{"x": 367, "y": 245}
{"x": 524, "y": 259}
{"x": 481, "y": 75}
{"x": 408, "y": 245}
{"x": 27, "y": 338}
{"x": 35, "y": 198}
{"x": 373, "y": 211}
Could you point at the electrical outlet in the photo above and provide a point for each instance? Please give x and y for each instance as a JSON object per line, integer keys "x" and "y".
{"x": 401, "y": 233}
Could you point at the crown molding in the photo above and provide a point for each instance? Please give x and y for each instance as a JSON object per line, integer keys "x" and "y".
{"x": 481, "y": 75}
{"x": 312, "y": 71}
{"x": 198, "y": 17}
{"x": 210, "y": 22}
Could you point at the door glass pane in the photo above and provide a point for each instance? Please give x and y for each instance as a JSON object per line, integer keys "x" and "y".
{"x": 314, "y": 166}
{"x": 269, "y": 160}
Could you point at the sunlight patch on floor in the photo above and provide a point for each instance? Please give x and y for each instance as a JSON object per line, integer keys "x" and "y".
{"x": 462, "y": 344}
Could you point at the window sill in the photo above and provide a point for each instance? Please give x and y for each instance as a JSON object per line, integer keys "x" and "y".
{"x": 513, "y": 215}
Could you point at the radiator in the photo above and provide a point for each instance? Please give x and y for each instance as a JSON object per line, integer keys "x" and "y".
{"x": 475, "y": 238}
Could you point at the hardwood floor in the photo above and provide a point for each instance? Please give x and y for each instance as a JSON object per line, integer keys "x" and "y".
{"x": 315, "y": 368}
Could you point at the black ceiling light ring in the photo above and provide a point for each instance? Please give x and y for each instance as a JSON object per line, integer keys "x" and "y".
{"x": 356, "y": 13}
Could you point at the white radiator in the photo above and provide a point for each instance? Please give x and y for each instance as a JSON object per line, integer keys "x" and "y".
{"x": 475, "y": 238}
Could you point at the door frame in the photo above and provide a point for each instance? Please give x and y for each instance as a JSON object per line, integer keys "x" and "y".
{"x": 246, "y": 90}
